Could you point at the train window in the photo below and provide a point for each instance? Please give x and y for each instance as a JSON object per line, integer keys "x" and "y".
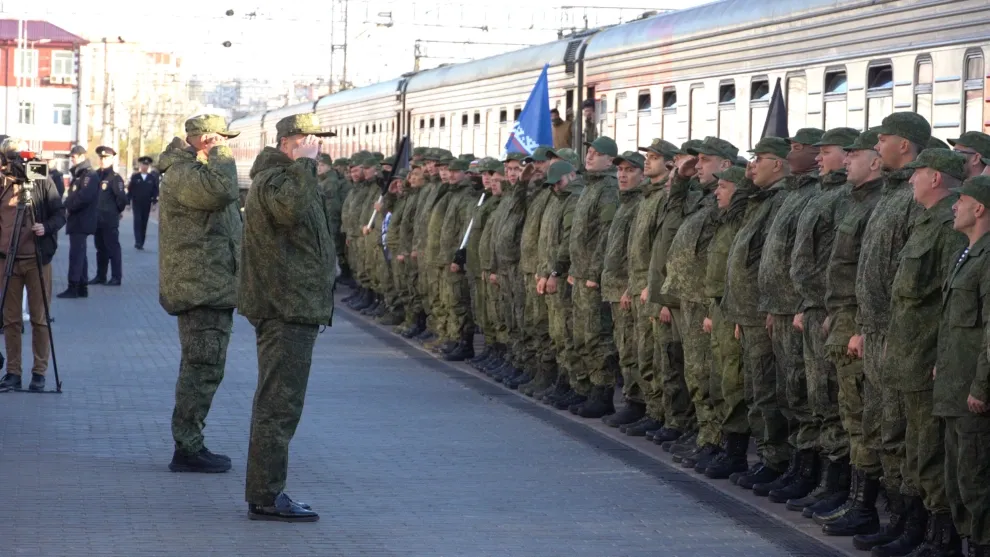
{"x": 620, "y": 106}
{"x": 668, "y": 128}
{"x": 464, "y": 120}
{"x": 924, "y": 76}
{"x": 759, "y": 107}
{"x": 366, "y": 128}
{"x": 835, "y": 82}
{"x": 503, "y": 116}
{"x": 443, "y": 121}
{"x": 374, "y": 128}
{"x": 879, "y": 93}
{"x": 973, "y": 91}
{"x": 515, "y": 114}
{"x": 696, "y": 121}
{"x": 727, "y": 112}
{"x": 836, "y": 87}
{"x": 727, "y": 93}
{"x": 422, "y": 123}
{"x": 670, "y": 100}
{"x": 797, "y": 101}
{"x": 477, "y": 118}
{"x": 433, "y": 123}
{"x": 644, "y": 101}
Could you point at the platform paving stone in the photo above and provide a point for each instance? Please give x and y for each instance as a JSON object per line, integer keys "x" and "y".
{"x": 401, "y": 455}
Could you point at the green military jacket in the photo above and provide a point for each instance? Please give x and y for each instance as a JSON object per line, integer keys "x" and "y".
{"x": 426, "y": 199}
{"x": 407, "y": 225}
{"x": 436, "y": 256}
{"x": 486, "y": 244}
{"x": 814, "y": 238}
{"x": 528, "y": 257}
{"x": 463, "y": 198}
{"x": 684, "y": 198}
{"x": 742, "y": 293}
{"x": 199, "y": 230}
{"x": 348, "y": 211}
{"x": 555, "y": 231}
{"x": 687, "y": 256}
{"x": 778, "y": 294}
{"x": 962, "y": 367}
{"x": 589, "y": 230}
{"x": 335, "y": 191}
{"x": 476, "y": 246}
{"x": 643, "y": 233}
{"x": 726, "y": 223}
{"x": 507, "y": 236}
{"x": 916, "y": 298}
{"x": 288, "y": 254}
{"x": 393, "y": 237}
{"x": 615, "y": 270}
{"x": 884, "y": 238}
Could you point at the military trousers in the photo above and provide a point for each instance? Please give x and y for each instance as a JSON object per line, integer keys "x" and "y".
{"x": 638, "y": 385}
{"x": 561, "y": 321}
{"x": 414, "y": 304}
{"x": 735, "y": 395}
{"x": 697, "y": 344}
{"x": 593, "y": 344}
{"x": 824, "y": 427}
{"x": 766, "y": 420}
{"x": 478, "y": 308}
{"x": 792, "y": 383}
{"x": 460, "y": 322}
{"x": 624, "y": 337}
{"x": 537, "y": 348}
{"x": 493, "y": 326}
{"x": 204, "y": 334}
{"x": 883, "y": 413}
{"x": 435, "y": 304}
{"x": 512, "y": 293}
{"x": 285, "y": 355}
{"x": 924, "y": 451}
{"x": 677, "y": 412}
{"x": 967, "y": 467}
{"x": 398, "y": 276}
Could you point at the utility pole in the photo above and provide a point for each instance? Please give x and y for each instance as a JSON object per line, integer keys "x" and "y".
{"x": 344, "y": 77}
{"x": 106, "y": 94}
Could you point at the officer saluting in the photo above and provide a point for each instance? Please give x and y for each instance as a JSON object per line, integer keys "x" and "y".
{"x": 142, "y": 194}
{"x": 110, "y": 204}
{"x": 80, "y": 207}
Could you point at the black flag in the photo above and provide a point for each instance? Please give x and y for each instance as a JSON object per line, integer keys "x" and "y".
{"x": 776, "y": 124}
{"x": 401, "y": 161}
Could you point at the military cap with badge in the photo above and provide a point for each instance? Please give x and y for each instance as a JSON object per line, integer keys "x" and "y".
{"x": 208, "y": 123}
{"x": 558, "y": 170}
{"x": 631, "y": 157}
{"x": 145, "y": 160}
{"x": 942, "y": 160}
{"x": 977, "y": 187}
{"x": 979, "y": 142}
{"x": 907, "y": 125}
{"x": 300, "y": 124}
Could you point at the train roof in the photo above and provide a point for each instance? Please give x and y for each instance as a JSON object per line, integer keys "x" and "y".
{"x": 273, "y": 116}
{"x": 359, "y": 94}
{"x": 710, "y": 19}
{"x": 247, "y": 121}
{"x": 529, "y": 58}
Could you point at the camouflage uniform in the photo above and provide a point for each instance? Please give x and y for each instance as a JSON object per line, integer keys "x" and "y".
{"x": 199, "y": 249}
{"x": 286, "y": 291}
{"x": 461, "y": 201}
{"x": 407, "y": 267}
{"x": 506, "y": 238}
{"x": 537, "y": 351}
{"x": 426, "y": 201}
{"x": 489, "y": 318}
{"x": 393, "y": 244}
{"x": 438, "y": 261}
{"x": 476, "y": 250}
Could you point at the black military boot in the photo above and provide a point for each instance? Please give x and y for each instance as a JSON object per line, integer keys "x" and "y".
{"x": 350, "y": 297}
{"x": 700, "y": 458}
{"x": 571, "y": 399}
{"x": 861, "y": 517}
{"x": 642, "y": 427}
{"x": 667, "y": 434}
{"x": 826, "y": 469}
{"x": 514, "y": 383}
{"x": 446, "y": 347}
{"x": 463, "y": 351}
{"x": 560, "y": 387}
{"x": 546, "y": 375}
{"x": 631, "y": 412}
{"x": 912, "y": 535}
{"x": 358, "y": 296}
{"x": 484, "y": 355}
{"x": 392, "y": 318}
{"x": 381, "y": 310}
{"x": 732, "y": 459}
{"x": 203, "y": 461}
{"x": 599, "y": 404}
{"x": 364, "y": 301}
{"x": 509, "y": 373}
{"x": 942, "y": 540}
{"x": 826, "y": 516}
{"x": 803, "y": 482}
{"x": 685, "y": 443}
{"x": 371, "y": 308}
{"x": 71, "y": 292}
{"x": 898, "y": 513}
{"x": 836, "y": 492}
{"x": 418, "y": 326}
{"x": 764, "y": 475}
{"x": 784, "y": 480}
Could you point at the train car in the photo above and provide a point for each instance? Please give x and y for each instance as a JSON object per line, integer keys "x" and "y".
{"x": 711, "y": 70}
{"x": 246, "y": 146}
{"x": 365, "y": 118}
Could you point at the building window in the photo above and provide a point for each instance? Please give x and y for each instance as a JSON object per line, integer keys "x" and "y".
{"x": 727, "y": 112}
{"x": 836, "y": 87}
{"x": 62, "y": 114}
{"x": 26, "y": 113}
{"x": 973, "y": 90}
{"x": 879, "y": 94}
{"x": 669, "y": 125}
{"x": 697, "y": 112}
{"x": 759, "y": 107}
{"x": 62, "y": 63}
{"x": 797, "y": 102}
{"x": 26, "y": 64}
{"x": 924, "y": 77}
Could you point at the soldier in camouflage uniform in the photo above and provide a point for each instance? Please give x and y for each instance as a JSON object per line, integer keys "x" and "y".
{"x": 593, "y": 347}
{"x": 615, "y": 272}
{"x": 200, "y": 228}
{"x": 864, "y": 172}
{"x": 438, "y": 261}
{"x": 404, "y": 264}
{"x": 928, "y": 256}
{"x": 741, "y": 306}
{"x": 962, "y": 377}
{"x": 286, "y": 292}
{"x": 427, "y": 198}
{"x": 398, "y": 199}
{"x": 349, "y": 215}
{"x": 335, "y": 189}
{"x": 463, "y": 199}
{"x": 478, "y": 249}
{"x": 372, "y": 243}
{"x": 813, "y": 243}
{"x": 975, "y": 146}
{"x": 365, "y": 194}
{"x": 495, "y": 327}
{"x": 780, "y": 301}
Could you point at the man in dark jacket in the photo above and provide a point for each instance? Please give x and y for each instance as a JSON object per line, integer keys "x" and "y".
{"x": 80, "y": 205}
{"x": 109, "y": 205}
{"x": 42, "y": 219}
{"x": 142, "y": 194}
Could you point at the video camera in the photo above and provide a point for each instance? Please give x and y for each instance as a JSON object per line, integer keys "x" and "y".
{"x": 23, "y": 166}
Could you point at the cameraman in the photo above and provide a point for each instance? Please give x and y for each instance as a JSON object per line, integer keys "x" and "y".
{"x": 110, "y": 205}
{"x": 80, "y": 204}
{"x": 38, "y": 237}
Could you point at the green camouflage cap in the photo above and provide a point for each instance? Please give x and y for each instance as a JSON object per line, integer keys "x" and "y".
{"x": 208, "y": 123}
{"x": 416, "y": 164}
{"x": 324, "y": 158}
{"x": 568, "y": 154}
{"x": 663, "y": 148}
{"x": 604, "y": 145}
{"x": 369, "y": 162}
{"x": 714, "y": 147}
{"x": 466, "y": 156}
{"x": 741, "y": 162}
{"x": 419, "y": 151}
{"x": 539, "y": 154}
{"x": 866, "y": 140}
{"x": 977, "y": 187}
{"x": 459, "y": 164}
{"x": 300, "y": 124}
{"x": 402, "y": 174}
{"x": 909, "y": 125}
{"x": 342, "y": 161}
{"x": 515, "y": 157}
{"x": 355, "y": 160}
{"x": 943, "y": 160}
{"x": 838, "y": 136}
{"x": 379, "y": 157}
{"x": 807, "y": 136}
{"x": 445, "y": 160}
{"x": 977, "y": 141}
{"x": 558, "y": 170}
{"x": 732, "y": 174}
{"x": 936, "y": 143}
{"x": 489, "y": 164}
{"x": 389, "y": 160}
{"x": 770, "y": 145}
{"x": 688, "y": 145}
{"x": 432, "y": 154}
{"x": 631, "y": 157}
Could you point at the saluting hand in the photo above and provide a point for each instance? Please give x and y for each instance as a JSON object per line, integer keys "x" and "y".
{"x": 308, "y": 148}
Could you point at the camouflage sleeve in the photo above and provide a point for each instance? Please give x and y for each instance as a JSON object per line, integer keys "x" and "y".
{"x": 408, "y": 226}
{"x": 561, "y": 263}
{"x": 803, "y": 260}
{"x": 206, "y": 187}
{"x": 607, "y": 206}
{"x": 283, "y": 196}
{"x": 334, "y": 204}
{"x": 980, "y": 387}
{"x": 677, "y": 197}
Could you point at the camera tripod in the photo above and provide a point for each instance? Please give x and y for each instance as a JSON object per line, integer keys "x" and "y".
{"x": 23, "y": 202}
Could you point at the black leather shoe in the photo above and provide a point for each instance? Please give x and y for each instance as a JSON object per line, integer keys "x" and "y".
{"x": 203, "y": 462}
{"x": 10, "y": 382}
{"x": 113, "y": 282}
{"x": 37, "y": 383}
{"x": 283, "y": 509}
{"x": 98, "y": 280}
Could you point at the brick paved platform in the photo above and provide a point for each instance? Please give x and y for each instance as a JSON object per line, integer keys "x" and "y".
{"x": 402, "y": 455}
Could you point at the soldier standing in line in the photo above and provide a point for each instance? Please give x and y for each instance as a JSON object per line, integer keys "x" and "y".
{"x": 142, "y": 194}
{"x": 615, "y": 271}
{"x": 424, "y": 209}
{"x": 109, "y": 208}
{"x": 474, "y": 254}
{"x": 199, "y": 248}
{"x": 813, "y": 242}
{"x": 402, "y": 263}
{"x": 80, "y": 209}
{"x": 780, "y": 300}
{"x": 438, "y": 261}
{"x": 496, "y": 340}
{"x": 962, "y": 376}
{"x": 286, "y": 292}
{"x": 975, "y": 146}
{"x": 463, "y": 198}
{"x": 398, "y": 199}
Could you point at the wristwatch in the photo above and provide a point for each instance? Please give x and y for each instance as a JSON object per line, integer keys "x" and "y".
{"x": 554, "y": 274}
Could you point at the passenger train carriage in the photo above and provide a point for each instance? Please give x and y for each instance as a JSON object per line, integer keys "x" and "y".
{"x": 708, "y": 70}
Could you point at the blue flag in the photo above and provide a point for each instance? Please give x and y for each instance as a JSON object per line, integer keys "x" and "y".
{"x": 534, "y": 127}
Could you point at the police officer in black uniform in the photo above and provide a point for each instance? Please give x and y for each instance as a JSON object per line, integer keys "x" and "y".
{"x": 110, "y": 205}
{"x": 142, "y": 194}
{"x": 80, "y": 207}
